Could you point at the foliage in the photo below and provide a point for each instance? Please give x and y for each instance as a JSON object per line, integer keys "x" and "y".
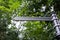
{"x": 6, "y": 12}
{"x": 36, "y": 30}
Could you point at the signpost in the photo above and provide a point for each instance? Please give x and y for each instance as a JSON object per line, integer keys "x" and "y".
{"x": 52, "y": 18}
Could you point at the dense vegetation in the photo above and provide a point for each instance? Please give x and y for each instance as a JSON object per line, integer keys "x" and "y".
{"x": 36, "y": 30}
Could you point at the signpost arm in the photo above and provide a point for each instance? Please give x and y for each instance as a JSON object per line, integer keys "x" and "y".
{"x": 32, "y": 19}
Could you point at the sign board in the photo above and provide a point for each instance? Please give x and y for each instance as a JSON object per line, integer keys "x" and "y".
{"x": 32, "y": 19}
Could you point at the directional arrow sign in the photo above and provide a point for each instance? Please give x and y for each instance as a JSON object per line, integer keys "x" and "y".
{"x": 32, "y": 19}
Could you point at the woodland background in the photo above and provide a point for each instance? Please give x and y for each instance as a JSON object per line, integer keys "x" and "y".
{"x": 36, "y": 30}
